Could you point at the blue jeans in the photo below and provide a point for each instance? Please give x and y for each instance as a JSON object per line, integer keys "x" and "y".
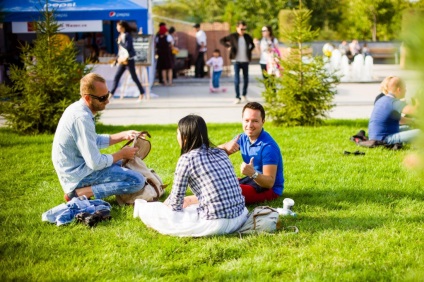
{"x": 404, "y": 136}
{"x": 215, "y": 78}
{"x": 113, "y": 180}
{"x": 245, "y": 67}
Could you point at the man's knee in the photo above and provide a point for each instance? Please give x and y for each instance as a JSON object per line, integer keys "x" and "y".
{"x": 137, "y": 181}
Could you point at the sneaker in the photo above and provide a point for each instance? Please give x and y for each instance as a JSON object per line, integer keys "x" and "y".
{"x": 92, "y": 219}
{"x": 103, "y": 215}
{"x": 244, "y": 99}
{"x": 224, "y": 89}
{"x": 236, "y": 101}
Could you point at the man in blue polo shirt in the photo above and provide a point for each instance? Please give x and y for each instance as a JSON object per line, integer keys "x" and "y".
{"x": 389, "y": 112}
{"x": 262, "y": 160}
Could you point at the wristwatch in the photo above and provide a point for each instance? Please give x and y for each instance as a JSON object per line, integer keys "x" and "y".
{"x": 255, "y": 175}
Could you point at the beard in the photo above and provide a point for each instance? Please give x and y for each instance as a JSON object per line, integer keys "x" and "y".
{"x": 97, "y": 106}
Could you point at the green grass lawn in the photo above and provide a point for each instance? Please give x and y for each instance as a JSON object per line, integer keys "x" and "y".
{"x": 360, "y": 217}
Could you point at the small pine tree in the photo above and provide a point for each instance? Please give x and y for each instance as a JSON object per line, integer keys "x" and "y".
{"x": 46, "y": 85}
{"x": 303, "y": 94}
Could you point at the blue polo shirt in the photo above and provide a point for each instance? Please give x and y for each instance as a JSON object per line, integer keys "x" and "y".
{"x": 385, "y": 117}
{"x": 265, "y": 151}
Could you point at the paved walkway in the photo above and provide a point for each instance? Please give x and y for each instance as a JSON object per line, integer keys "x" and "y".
{"x": 189, "y": 95}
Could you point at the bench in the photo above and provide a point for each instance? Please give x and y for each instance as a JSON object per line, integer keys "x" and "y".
{"x": 385, "y": 53}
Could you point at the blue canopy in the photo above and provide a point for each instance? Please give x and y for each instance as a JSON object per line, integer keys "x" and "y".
{"x": 74, "y": 10}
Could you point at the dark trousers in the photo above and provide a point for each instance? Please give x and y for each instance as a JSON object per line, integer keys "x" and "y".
{"x": 269, "y": 84}
{"x": 263, "y": 69}
{"x": 245, "y": 68}
{"x": 199, "y": 70}
{"x": 120, "y": 72}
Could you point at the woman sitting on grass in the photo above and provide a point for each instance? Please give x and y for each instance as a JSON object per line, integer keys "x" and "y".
{"x": 217, "y": 206}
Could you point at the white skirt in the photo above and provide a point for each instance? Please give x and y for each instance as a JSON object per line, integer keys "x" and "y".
{"x": 186, "y": 223}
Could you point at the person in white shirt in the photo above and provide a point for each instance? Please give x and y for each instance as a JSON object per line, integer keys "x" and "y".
{"x": 216, "y": 63}
{"x": 267, "y": 46}
{"x": 199, "y": 71}
{"x": 354, "y": 47}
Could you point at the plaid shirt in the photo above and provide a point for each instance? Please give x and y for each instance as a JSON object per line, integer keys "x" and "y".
{"x": 211, "y": 178}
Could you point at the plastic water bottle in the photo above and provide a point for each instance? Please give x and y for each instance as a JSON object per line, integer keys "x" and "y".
{"x": 286, "y": 210}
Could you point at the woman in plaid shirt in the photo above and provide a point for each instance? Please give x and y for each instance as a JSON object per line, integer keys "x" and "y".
{"x": 217, "y": 206}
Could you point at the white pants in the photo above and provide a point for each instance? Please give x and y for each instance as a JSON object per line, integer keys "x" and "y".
{"x": 186, "y": 223}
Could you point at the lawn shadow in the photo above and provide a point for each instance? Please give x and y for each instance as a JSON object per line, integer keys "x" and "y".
{"x": 347, "y": 209}
{"x": 351, "y": 223}
{"x": 331, "y": 199}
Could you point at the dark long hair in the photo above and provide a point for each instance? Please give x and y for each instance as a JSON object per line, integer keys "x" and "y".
{"x": 127, "y": 27}
{"x": 271, "y": 34}
{"x": 194, "y": 133}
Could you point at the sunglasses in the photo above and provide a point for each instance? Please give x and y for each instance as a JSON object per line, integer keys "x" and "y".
{"x": 263, "y": 30}
{"x": 243, "y": 28}
{"x": 101, "y": 98}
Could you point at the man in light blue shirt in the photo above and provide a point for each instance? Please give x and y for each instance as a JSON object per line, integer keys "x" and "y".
{"x": 81, "y": 167}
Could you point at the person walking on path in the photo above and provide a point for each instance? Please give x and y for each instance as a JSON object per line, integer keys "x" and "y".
{"x": 164, "y": 52}
{"x": 201, "y": 39}
{"x": 82, "y": 169}
{"x": 126, "y": 54}
{"x": 174, "y": 49}
{"x": 267, "y": 46}
{"x": 241, "y": 46}
{"x": 262, "y": 160}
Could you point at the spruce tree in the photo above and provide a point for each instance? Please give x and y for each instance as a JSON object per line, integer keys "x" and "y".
{"x": 47, "y": 83}
{"x": 303, "y": 94}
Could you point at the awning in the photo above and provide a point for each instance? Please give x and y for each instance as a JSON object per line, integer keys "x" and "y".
{"x": 78, "y": 10}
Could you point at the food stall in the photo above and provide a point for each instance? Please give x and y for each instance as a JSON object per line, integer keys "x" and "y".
{"x": 88, "y": 23}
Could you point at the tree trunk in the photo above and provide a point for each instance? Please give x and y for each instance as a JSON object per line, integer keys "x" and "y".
{"x": 374, "y": 27}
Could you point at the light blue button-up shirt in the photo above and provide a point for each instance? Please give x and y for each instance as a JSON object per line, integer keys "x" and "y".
{"x": 76, "y": 146}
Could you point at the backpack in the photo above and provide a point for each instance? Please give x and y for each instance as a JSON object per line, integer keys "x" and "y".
{"x": 261, "y": 219}
{"x": 154, "y": 187}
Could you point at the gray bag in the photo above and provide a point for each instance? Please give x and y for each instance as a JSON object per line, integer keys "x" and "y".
{"x": 261, "y": 219}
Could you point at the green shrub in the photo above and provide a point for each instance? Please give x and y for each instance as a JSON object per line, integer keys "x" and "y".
{"x": 303, "y": 94}
{"x": 46, "y": 85}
